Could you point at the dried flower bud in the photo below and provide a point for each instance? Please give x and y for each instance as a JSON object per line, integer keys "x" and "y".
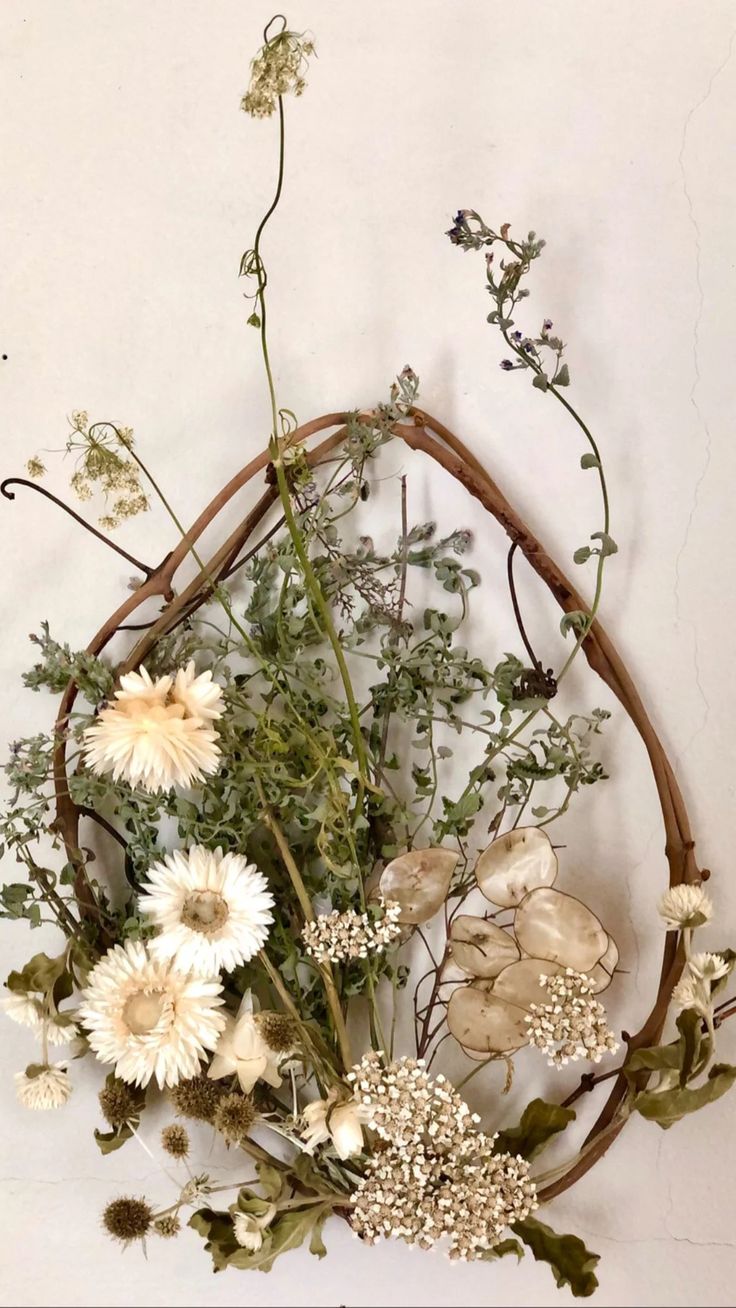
{"x": 119, "y": 1102}
{"x": 175, "y": 1140}
{"x": 127, "y": 1219}
{"x": 279, "y": 1031}
{"x": 168, "y": 1226}
{"x": 234, "y": 1118}
{"x": 196, "y": 1098}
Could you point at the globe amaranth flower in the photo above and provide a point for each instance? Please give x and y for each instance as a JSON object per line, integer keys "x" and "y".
{"x": 685, "y": 907}
{"x": 243, "y": 1051}
{"x": 157, "y": 734}
{"x": 152, "y": 1020}
{"x": 213, "y": 910}
{"x": 335, "y": 1119}
{"x": 43, "y": 1086}
{"x": 693, "y": 990}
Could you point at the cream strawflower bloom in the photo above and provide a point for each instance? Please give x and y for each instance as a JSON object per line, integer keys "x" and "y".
{"x": 248, "y": 1229}
{"x": 157, "y": 734}
{"x": 43, "y": 1087}
{"x": 685, "y": 907}
{"x": 150, "y": 1019}
{"x": 330, "y": 1119}
{"x": 213, "y": 909}
{"x": 243, "y": 1052}
{"x": 25, "y": 1008}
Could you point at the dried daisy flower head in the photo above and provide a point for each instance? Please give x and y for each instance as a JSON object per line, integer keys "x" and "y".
{"x": 104, "y": 462}
{"x": 337, "y": 937}
{"x": 43, "y": 1086}
{"x": 213, "y": 909}
{"x": 127, "y": 1219}
{"x": 278, "y": 69}
{"x": 573, "y": 1025}
{"x": 157, "y": 734}
{"x": 685, "y": 907}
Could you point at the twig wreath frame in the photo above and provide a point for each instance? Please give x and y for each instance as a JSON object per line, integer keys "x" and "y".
{"x": 159, "y": 982}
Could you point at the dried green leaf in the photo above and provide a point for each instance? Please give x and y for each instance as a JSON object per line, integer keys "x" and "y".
{"x": 540, "y": 1123}
{"x": 571, "y": 1262}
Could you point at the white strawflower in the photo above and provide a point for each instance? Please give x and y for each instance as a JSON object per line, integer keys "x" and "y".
{"x": 330, "y": 1119}
{"x": 693, "y": 990}
{"x": 242, "y": 1051}
{"x": 44, "y": 1087}
{"x": 248, "y": 1229}
{"x": 157, "y": 734}
{"x": 25, "y": 1008}
{"x": 150, "y": 1019}
{"x": 213, "y": 909}
{"x": 685, "y": 907}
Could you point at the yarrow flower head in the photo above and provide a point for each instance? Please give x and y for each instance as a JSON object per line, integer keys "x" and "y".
{"x": 213, "y": 909}
{"x": 277, "y": 69}
{"x": 336, "y": 937}
{"x": 438, "y": 1176}
{"x": 152, "y": 1020}
{"x": 157, "y": 734}
{"x": 573, "y": 1025}
{"x": 43, "y": 1086}
{"x": 685, "y": 907}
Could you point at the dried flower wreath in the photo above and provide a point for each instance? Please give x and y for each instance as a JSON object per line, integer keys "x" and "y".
{"x": 298, "y": 900}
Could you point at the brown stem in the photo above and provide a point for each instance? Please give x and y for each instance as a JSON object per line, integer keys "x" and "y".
{"x": 41, "y": 490}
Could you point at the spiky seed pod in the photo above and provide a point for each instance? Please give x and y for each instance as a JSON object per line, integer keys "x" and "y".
{"x": 234, "y": 1117}
{"x": 127, "y": 1219}
{"x": 196, "y": 1098}
{"x": 168, "y": 1226}
{"x": 280, "y": 1031}
{"x": 175, "y": 1140}
{"x": 119, "y": 1102}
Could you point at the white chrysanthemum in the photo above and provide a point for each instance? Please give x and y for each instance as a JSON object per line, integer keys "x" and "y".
{"x": 25, "y": 1008}
{"x": 47, "y": 1087}
{"x": 150, "y": 1019}
{"x": 213, "y": 909}
{"x": 685, "y": 907}
{"x": 157, "y": 734}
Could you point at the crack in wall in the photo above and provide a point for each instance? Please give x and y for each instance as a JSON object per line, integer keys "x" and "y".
{"x": 693, "y": 394}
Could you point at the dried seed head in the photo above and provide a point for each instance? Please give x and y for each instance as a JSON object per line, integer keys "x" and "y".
{"x": 234, "y": 1117}
{"x": 197, "y": 1098}
{"x": 119, "y": 1102}
{"x": 175, "y": 1140}
{"x": 167, "y": 1226}
{"x": 127, "y": 1219}
{"x": 279, "y": 1031}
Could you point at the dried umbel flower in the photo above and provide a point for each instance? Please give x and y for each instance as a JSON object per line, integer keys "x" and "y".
{"x": 175, "y": 1140}
{"x": 336, "y": 937}
{"x": 685, "y": 908}
{"x": 35, "y": 467}
{"x": 196, "y": 1098}
{"x": 279, "y": 1030}
{"x": 103, "y": 461}
{"x": 573, "y": 1025}
{"x": 127, "y": 1219}
{"x": 234, "y": 1118}
{"x": 119, "y": 1103}
{"x": 278, "y": 69}
{"x": 168, "y": 1226}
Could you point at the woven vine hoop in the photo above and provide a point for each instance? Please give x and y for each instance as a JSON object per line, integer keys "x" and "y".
{"x": 426, "y": 434}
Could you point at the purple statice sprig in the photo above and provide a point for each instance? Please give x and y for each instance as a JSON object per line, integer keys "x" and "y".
{"x": 504, "y": 276}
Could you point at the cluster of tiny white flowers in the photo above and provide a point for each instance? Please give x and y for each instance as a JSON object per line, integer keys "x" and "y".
{"x": 278, "y": 69}
{"x": 336, "y": 937}
{"x": 573, "y": 1025}
{"x": 437, "y": 1175}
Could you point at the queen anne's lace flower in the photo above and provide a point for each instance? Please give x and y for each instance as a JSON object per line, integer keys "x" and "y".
{"x": 213, "y": 909}
{"x": 157, "y": 734}
{"x": 685, "y": 906}
{"x": 336, "y": 937}
{"x": 43, "y": 1088}
{"x": 277, "y": 70}
{"x": 148, "y": 1018}
{"x": 438, "y": 1176}
{"x": 573, "y": 1025}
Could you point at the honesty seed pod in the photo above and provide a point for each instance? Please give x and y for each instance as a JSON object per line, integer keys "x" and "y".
{"x": 480, "y": 947}
{"x": 419, "y": 881}
{"x": 519, "y": 983}
{"x": 558, "y": 927}
{"x": 482, "y": 1021}
{"x": 514, "y": 864}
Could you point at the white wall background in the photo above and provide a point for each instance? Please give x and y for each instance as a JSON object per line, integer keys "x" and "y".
{"x": 131, "y": 186}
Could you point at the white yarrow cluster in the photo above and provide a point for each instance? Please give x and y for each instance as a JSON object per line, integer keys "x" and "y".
{"x": 685, "y": 907}
{"x": 437, "y": 1176}
{"x": 158, "y": 734}
{"x": 336, "y": 937}
{"x": 573, "y": 1025}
